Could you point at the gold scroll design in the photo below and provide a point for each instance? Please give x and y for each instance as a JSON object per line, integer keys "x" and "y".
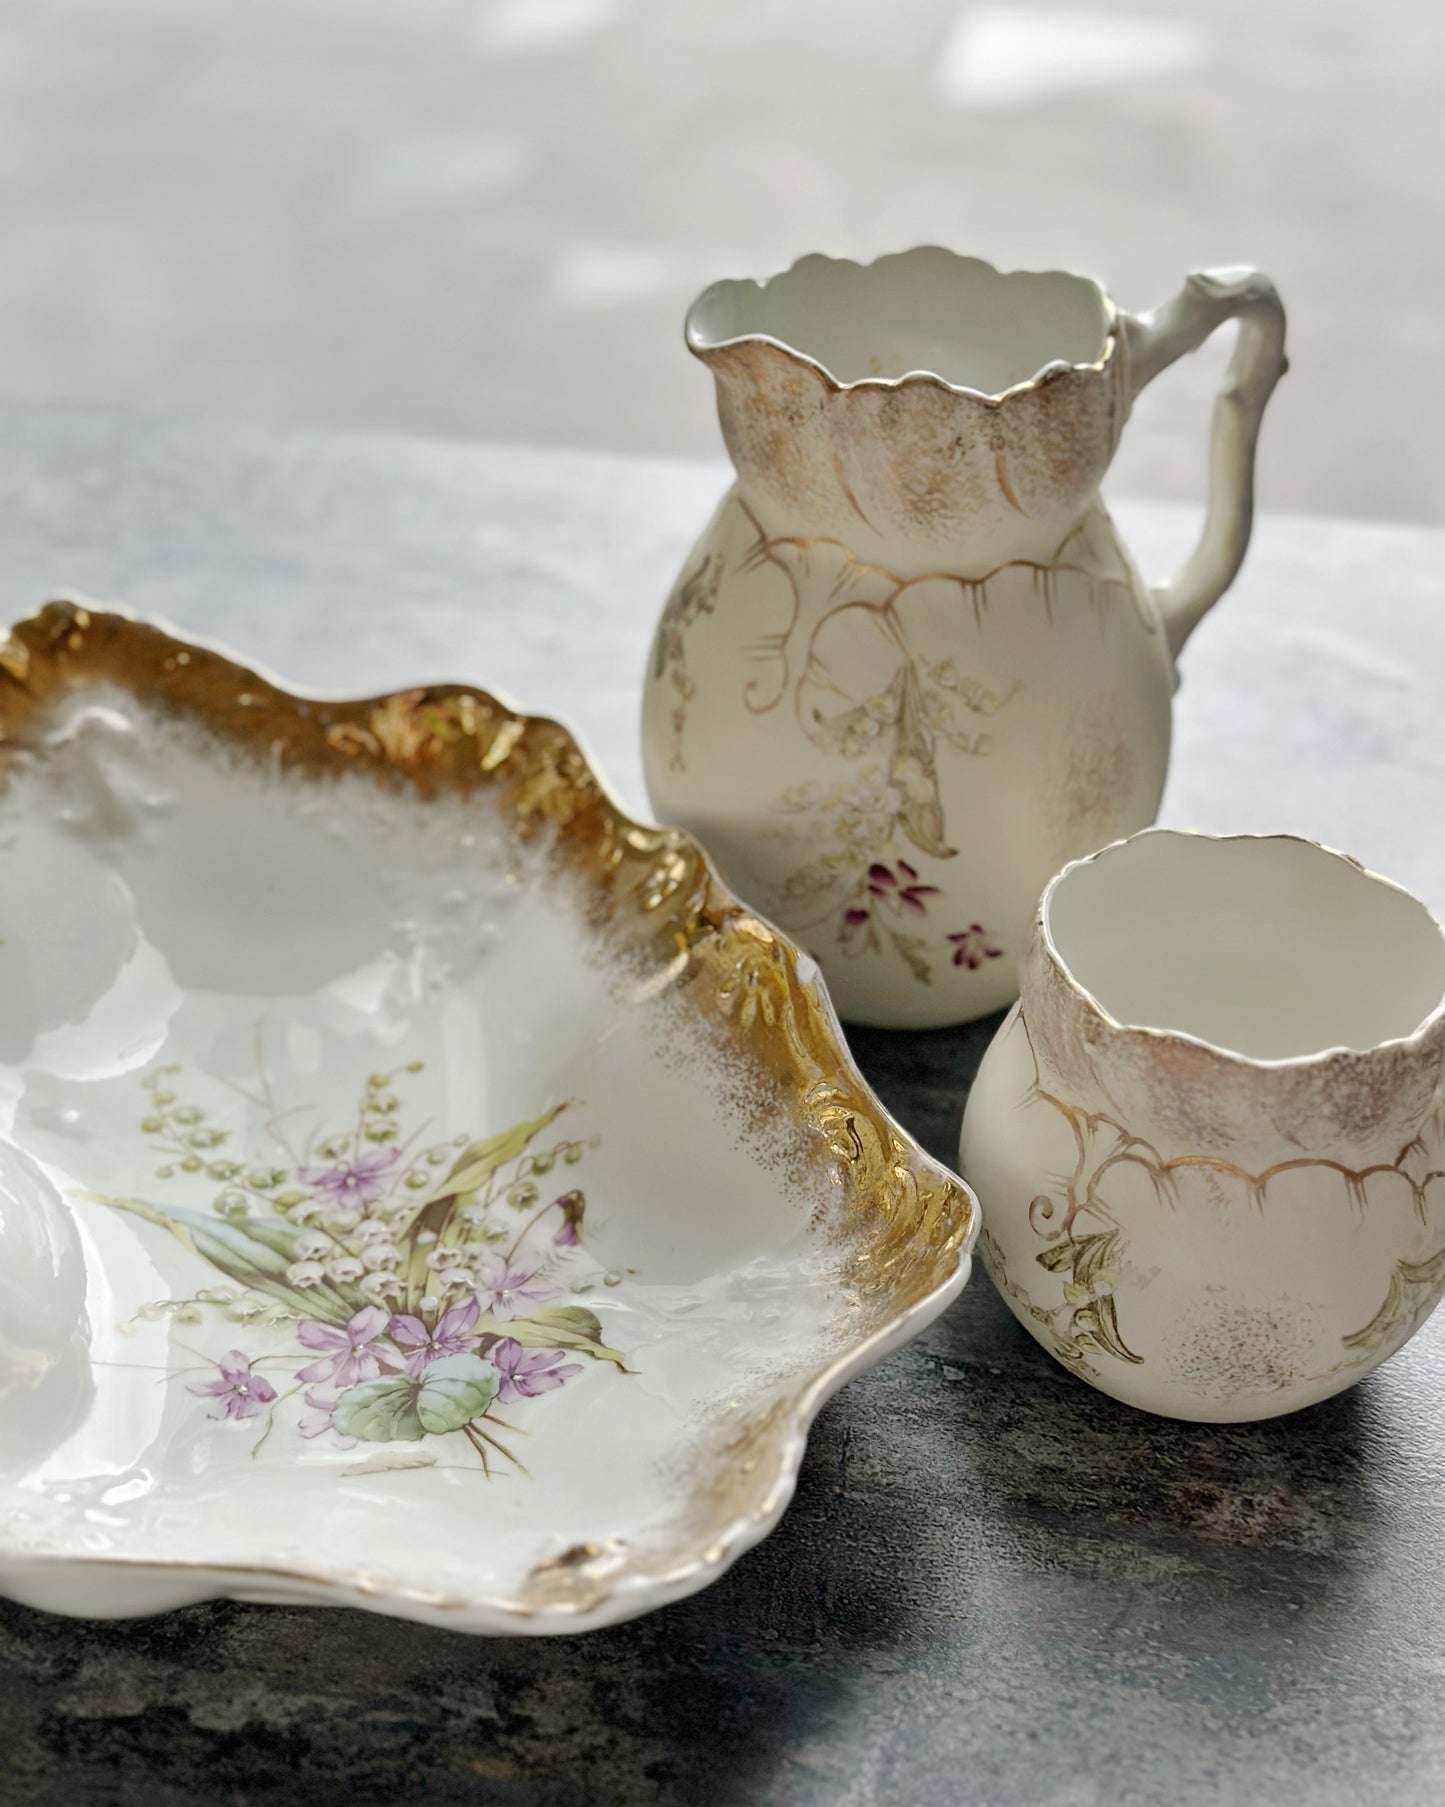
{"x": 826, "y": 579}
{"x": 695, "y": 596}
{"x": 1087, "y": 1323}
{"x": 900, "y": 1223}
{"x": 1414, "y": 1287}
{"x": 1065, "y": 1346}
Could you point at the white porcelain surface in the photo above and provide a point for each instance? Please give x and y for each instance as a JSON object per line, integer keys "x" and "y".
{"x": 1209, "y": 1141}
{"x": 376, "y": 1225}
{"x": 909, "y": 669}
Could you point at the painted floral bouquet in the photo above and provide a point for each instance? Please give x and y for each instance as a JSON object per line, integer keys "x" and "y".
{"x": 423, "y": 1286}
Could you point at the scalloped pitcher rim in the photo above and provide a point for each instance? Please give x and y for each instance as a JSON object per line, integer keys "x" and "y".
{"x": 706, "y": 346}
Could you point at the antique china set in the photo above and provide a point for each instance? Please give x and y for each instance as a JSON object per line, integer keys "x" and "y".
{"x": 423, "y": 1188}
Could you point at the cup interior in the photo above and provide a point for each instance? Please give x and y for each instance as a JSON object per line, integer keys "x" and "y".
{"x": 926, "y": 310}
{"x": 1268, "y": 947}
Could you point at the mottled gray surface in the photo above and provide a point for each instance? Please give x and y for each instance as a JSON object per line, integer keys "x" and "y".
{"x": 995, "y": 1585}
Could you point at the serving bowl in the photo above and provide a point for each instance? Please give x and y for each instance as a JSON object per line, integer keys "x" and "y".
{"x": 421, "y": 1187}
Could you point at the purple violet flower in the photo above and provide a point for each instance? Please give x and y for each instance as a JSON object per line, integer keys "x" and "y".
{"x": 357, "y": 1183}
{"x": 527, "y": 1372}
{"x": 238, "y": 1392}
{"x": 348, "y": 1355}
{"x": 317, "y": 1421}
{"x": 452, "y": 1334}
{"x": 509, "y": 1289}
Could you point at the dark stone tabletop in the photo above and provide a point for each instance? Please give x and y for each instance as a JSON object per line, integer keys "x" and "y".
{"x": 995, "y": 1585}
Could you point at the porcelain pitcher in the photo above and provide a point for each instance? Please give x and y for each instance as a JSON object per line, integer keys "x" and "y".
{"x": 909, "y": 670}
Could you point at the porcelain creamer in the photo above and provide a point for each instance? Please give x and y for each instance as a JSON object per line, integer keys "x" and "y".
{"x": 909, "y": 670}
{"x": 1209, "y": 1141}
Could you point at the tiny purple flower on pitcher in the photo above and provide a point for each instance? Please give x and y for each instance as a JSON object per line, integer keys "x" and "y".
{"x": 509, "y": 1290}
{"x": 527, "y": 1372}
{"x": 972, "y": 946}
{"x": 452, "y": 1334}
{"x": 317, "y": 1421}
{"x": 911, "y": 898}
{"x": 238, "y": 1392}
{"x": 348, "y": 1355}
{"x": 887, "y": 887}
{"x": 355, "y": 1184}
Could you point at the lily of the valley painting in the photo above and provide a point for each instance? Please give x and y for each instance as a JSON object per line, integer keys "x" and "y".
{"x": 424, "y": 1288}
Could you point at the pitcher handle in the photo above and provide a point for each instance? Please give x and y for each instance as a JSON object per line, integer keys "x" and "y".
{"x": 1154, "y": 341}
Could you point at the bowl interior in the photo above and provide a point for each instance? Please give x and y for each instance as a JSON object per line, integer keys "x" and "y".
{"x": 1270, "y": 947}
{"x": 336, "y": 1081}
{"x": 925, "y": 310}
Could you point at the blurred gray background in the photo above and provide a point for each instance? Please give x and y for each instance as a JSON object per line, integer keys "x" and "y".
{"x": 487, "y": 217}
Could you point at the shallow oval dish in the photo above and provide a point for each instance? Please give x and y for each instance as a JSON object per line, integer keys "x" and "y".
{"x": 421, "y": 1188}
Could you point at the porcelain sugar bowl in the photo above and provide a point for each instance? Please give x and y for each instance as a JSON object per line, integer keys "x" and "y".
{"x": 1209, "y": 1141}
{"x": 909, "y": 669}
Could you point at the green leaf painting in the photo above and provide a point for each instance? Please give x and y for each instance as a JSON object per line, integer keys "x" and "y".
{"x": 402, "y": 1408}
{"x": 404, "y": 1287}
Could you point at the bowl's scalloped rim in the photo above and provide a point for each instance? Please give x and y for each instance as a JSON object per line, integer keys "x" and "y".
{"x": 66, "y": 1583}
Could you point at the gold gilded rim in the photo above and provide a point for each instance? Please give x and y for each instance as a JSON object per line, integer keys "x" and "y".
{"x": 707, "y": 348}
{"x": 904, "y": 1225}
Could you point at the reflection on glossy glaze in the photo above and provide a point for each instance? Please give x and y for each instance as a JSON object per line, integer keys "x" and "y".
{"x": 44, "y": 1341}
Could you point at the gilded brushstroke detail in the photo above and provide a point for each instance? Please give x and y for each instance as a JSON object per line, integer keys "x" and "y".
{"x": 1092, "y": 1261}
{"x": 886, "y": 807}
